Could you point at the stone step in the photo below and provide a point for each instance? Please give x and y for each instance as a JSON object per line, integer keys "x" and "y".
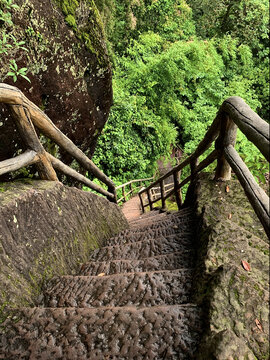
{"x": 164, "y": 223}
{"x": 147, "y": 215}
{"x": 153, "y": 232}
{"x": 144, "y": 249}
{"x": 166, "y": 287}
{"x": 153, "y": 222}
{"x": 152, "y": 218}
{"x": 162, "y": 332}
{"x": 176, "y": 260}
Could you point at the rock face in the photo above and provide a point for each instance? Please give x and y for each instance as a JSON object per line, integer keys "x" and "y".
{"x": 68, "y": 67}
{"x": 236, "y": 300}
{"x": 47, "y": 229}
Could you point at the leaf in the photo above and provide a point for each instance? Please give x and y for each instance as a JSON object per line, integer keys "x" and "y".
{"x": 245, "y": 265}
{"x": 25, "y": 77}
{"x": 259, "y": 325}
{"x": 101, "y": 274}
{"x": 227, "y": 189}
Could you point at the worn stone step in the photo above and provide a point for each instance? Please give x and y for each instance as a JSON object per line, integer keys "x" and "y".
{"x": 147, "y": 215}
{"x": 154, "y": 234}
{"x": 175, "y": 218}
{"x": 140, "y": 289}
{"x": 159, "y": 230}
{"x": 144, "y": 249}
{"x": 164, "y": 223}
{"x": 176, "y": 260}
{"x": 162, "y": 332}
{"x": 152, "y": 218}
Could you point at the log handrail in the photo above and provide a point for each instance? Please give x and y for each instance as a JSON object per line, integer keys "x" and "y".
{"x": 132, "y": 190}
{"x": 234, "y": 113}
{"x": 27, "y": 115}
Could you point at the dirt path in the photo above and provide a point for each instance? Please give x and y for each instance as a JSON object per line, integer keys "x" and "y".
{"x": 132, "y": 208}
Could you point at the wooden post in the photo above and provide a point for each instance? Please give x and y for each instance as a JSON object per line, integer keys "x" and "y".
{"x": 31, "y": 140}
{"x": 176, "y": 179}
{"x": 124, "y": 193}
{"x": 112, "y": 190}
{"x": 193, "y": 165}
{"x": 227, "y": 136}
{"x": 150, "y": 199}
{"x": 141, "y": 200}
{"x": 162, "y": 192}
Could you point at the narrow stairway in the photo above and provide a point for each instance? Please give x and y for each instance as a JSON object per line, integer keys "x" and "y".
{"x": 130, "y": 301}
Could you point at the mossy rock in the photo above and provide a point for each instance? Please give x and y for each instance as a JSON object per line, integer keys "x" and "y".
{"x": 68, "y": 67}
{"x": 235, "y": 300}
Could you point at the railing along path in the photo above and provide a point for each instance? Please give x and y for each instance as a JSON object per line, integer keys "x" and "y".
{"x": 233, "y": 113}
{"x": 27, "y": 115}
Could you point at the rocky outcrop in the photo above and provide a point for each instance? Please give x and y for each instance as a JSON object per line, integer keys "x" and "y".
{"x": 48, "y": 229}
{"x": 68, "y": 67}
{"x": 235, "y": 300}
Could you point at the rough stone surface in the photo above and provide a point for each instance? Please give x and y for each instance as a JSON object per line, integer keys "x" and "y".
{"x": 69, "y": 71}
{"x": 142, "y": 313}
{"x": 165, "y": 332}
{"x": 138, "y": 289}
{"x": 184, "y": 259}
{"x": 143, "y": 249}
{"x": 236, "y": 300}
{"x": 47, "y": 229}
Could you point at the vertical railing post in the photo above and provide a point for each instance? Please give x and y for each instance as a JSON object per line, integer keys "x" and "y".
{"x": 227, "y": 136}
{"x": 28, "y": 133}
{"x": 141, "y": 200}
{"x": 150, "y": 199}
{"x": 176, "y": 180}
{"x": 124, "y": 193}
{"x": 162, "y": 193}
{"x": 113, "y": 191}
{"x": 193, "y": 165}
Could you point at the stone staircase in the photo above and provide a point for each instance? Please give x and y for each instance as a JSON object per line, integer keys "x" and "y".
{"x": 132, "y": 300}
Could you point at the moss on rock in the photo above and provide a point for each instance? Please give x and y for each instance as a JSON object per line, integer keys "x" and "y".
{"x": 68, "y": 67}
{"x": 234, "y": 299}
{"x": 47, "y": 229}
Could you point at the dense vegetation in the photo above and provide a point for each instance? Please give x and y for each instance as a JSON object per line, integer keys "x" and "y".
{"x": 175, "y": 61}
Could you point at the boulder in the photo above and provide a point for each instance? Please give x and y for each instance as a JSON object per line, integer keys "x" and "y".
{"x": 69, "y": 69}
{"x": 235, "y": 298}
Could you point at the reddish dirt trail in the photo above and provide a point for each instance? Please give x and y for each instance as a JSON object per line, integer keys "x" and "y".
{"x": 132, "y": 208}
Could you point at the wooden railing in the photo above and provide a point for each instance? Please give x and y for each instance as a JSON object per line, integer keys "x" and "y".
{"x": 132, "y": 189}
{"x": 27, "y": 115}
{"x": 233, "y": 113}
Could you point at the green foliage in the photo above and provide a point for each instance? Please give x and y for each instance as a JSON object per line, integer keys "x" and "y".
{"x": 247, "y": 22}
{"x": 8, "y": 42}
{"x": 15, "y": 72}
{"x": 169, "y": 84}
{"x": 6, "y": 7}
{"x": 129, "y": 149}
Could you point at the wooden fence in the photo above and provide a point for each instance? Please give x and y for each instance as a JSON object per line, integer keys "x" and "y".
{"x": 233, "y": 113}
{"x": 132, "y": 190}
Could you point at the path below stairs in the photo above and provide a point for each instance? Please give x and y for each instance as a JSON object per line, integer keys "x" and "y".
{"x": 131, "y": 300}
{"x": 132, "y": 208}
